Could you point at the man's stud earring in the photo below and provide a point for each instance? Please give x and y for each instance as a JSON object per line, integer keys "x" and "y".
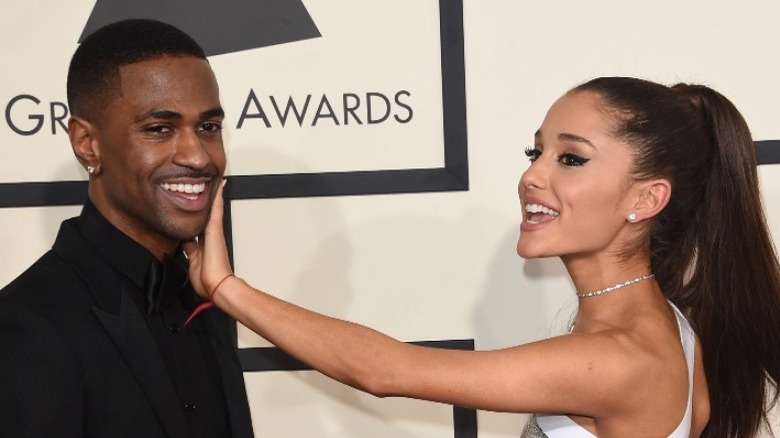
{"x": 90, "y": 169}
{"x": 632, "y": 217}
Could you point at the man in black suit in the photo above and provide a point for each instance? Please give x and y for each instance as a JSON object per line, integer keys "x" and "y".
{"x": 92, "y": 336}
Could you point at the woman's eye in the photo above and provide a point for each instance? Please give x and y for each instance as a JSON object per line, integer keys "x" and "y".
{"x": 532, "y": 154}
{"x": 572, "y": 160}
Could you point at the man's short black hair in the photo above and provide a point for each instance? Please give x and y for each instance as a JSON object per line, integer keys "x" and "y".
{"x": 93, "y": 76}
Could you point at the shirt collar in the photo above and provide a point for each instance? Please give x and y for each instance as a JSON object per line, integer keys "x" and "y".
{"x": 118, "y": 249}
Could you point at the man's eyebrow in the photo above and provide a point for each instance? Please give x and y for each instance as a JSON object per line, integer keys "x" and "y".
{"x": 158, "y": 114}
{"x": 173, "y": 115}
{"x": 214, "y": 112}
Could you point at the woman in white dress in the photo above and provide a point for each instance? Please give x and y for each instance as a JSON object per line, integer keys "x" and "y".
{"x": 649, "y": 195}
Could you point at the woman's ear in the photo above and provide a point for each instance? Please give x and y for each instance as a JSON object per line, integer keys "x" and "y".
{"x": 652, "y": 198}
{"x": 84, "y": 143}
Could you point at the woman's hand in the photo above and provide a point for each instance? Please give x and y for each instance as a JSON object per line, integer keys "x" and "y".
{"x": 208, "y": 256}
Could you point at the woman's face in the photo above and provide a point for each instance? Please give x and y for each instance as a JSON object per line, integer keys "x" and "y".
{"x": 575, "y": 195}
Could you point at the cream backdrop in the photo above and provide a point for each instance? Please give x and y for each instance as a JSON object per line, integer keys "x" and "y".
{"x": 422, "y": 266}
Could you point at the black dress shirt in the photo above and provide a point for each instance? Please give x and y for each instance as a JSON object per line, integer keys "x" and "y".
{"x": 187, "y": 352}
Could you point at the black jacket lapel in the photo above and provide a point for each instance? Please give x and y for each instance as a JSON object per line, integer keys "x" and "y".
{"x": 126, "y": 326}
{"x": 139, "y": 349}
{"x": 230, "y": 372}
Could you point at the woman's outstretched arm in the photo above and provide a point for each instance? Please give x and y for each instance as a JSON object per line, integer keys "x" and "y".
{"x": 543, "y": 376}
{"x": 348, "y": 352}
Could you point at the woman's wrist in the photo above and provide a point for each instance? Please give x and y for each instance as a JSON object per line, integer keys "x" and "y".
{"x": 211, "y": 296}
{"x": 216, "y": 288}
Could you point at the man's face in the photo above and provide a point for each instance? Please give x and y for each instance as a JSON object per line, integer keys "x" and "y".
{"x": 160, "y": 151}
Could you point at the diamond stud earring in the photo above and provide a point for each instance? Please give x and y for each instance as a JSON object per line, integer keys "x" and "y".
{"x": 632, "y": 217}
{"x": 90, "y": 169}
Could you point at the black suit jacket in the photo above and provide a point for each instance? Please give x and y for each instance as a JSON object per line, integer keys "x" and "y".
{"x": 77, "y": 358}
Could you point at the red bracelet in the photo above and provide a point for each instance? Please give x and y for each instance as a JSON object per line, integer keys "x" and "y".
{"x": 213, "y": 291}
{"x": 209, "y": 303}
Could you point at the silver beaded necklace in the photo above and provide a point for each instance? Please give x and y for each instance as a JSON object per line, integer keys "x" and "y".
{"x": 615, "y": 287}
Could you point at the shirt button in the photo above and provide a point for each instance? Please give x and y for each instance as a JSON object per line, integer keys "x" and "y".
{"x": 189, "y": 407}
{"x": 175, "y": 329}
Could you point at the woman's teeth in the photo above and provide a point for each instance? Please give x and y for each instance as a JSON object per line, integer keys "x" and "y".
{"x": 538, "y": 208}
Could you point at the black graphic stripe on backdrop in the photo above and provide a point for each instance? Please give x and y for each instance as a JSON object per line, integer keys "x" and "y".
{"x": 768, "y": 152}
{"x": 454, "y": 176}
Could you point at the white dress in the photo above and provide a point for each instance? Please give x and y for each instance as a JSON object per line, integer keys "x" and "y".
{"x": 561, "y": 426}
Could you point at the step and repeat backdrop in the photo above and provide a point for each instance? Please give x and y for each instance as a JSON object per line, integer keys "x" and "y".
{"x": 374, "y": 150}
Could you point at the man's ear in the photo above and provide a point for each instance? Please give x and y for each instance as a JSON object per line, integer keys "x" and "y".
{"x": 652, "y": 198}
{"x": 83, "y": 140}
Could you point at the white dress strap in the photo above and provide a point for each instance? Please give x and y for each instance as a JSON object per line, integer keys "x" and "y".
{"x": 562, "y": 426}
{"x": 688, "y": 339}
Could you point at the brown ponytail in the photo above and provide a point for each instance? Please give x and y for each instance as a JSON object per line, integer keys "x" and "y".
{"x": 710, "y": 248}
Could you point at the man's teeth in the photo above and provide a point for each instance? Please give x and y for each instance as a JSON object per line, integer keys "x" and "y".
{"x": 184, "y": 188}
{"x": 538, "y": 208}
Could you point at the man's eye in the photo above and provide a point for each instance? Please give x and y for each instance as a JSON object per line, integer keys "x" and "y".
{"x": 572, "y": 160}
{"x": 211, "y": 127}
{"x": 532, "y": 154}
{"x": 158, "y": 129}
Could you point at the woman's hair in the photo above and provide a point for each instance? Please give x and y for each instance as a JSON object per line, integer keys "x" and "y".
{"x": 710, "y": 248}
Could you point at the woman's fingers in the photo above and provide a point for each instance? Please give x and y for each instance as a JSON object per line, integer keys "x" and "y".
{"x": 192, "y": 250}
{"x": 213, "y": 249}
{"x": 215, "y": 218}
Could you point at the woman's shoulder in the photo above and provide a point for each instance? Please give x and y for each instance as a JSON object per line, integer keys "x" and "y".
{"x": 648, "y": 377}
